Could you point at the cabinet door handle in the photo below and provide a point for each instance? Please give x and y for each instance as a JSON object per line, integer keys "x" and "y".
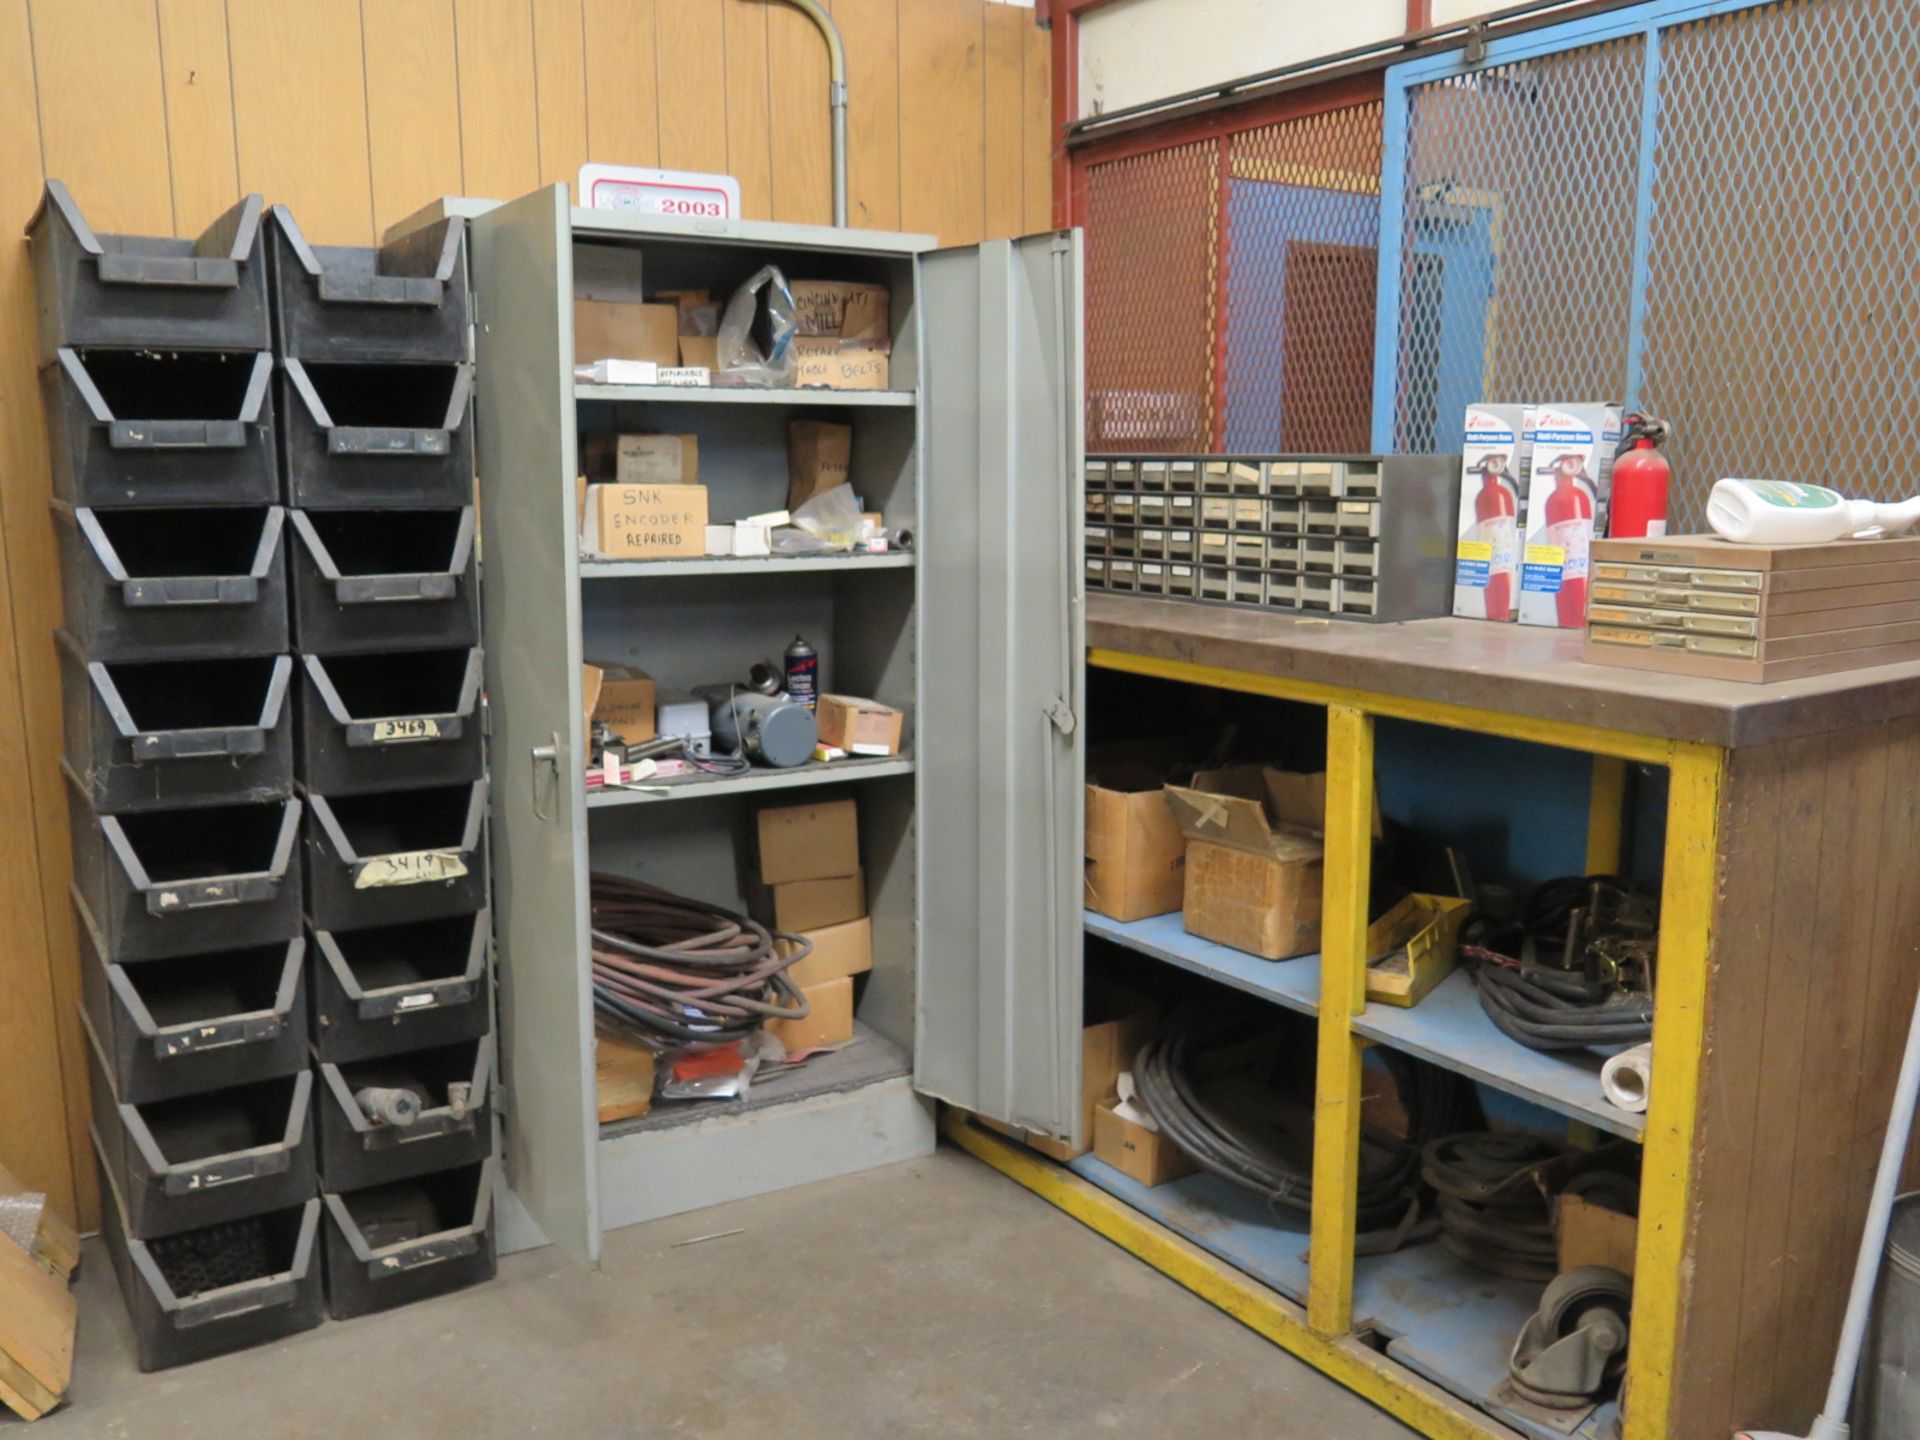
{"x": 546, "y": 765}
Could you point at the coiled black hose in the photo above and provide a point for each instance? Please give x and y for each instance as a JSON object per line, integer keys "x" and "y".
{"x": 1274, "y": 1159}
{"x": 1492, "y": 1214}
{"x": 1535, "y": 1001}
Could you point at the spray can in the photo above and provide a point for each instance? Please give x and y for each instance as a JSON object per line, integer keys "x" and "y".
{"x": 802, "y": 664}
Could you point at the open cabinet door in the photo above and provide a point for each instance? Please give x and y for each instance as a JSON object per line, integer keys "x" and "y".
{"x": 997, "y": 1023}
{"x": 530, "y": 605}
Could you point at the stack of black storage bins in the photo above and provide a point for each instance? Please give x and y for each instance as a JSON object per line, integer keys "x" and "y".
{"x": 377, "y": 459}
{"x": 239, "y": 1098}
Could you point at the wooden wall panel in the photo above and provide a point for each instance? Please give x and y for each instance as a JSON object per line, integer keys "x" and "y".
{"x": 1037, "y": 128}
{"x": 802, "y": 126}
{"x": 560, "y": 84}
{"x": 623, "y": 111}
{"x": 413, "y": 107}
{"x": 942, "y": 97}
{"x": 43, "y": 1105}
{"x": 199, "y": 91}
{"x": 749, "y": 129}
{"x": 300, "y": 112}
{"x": 1815, "y": 961}
{"x": 161, "y": 113}
{"x": 499, "y": 133}
{"x": 870, "y": 29}
{"x": 690, "y": 40}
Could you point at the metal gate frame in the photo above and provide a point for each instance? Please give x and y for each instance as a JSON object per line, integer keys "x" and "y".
{"x": 1648, "y": 21}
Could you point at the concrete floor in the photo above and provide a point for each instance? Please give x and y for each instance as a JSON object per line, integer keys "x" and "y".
{"x": 932, "y": 1298}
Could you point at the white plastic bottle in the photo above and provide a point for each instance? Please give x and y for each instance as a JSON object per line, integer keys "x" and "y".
{"x": 1778, "y": 512}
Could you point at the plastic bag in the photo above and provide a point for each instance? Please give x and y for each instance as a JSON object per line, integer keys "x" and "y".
{"x": 827, "y": 524}
{"x": 755, "y": 342}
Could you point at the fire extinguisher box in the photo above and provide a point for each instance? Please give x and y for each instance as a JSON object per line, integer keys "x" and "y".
{"x": 393, "y": 1244}
{"x": 177, "y": 733}
{"x": 142, "y": 428}
{"x": 376, "y": 437}
{"x": 451, "y": 1129}
{"x": 203, "y": 1022}
{"x": 207, "y": 1292}
{"x": 173, "y": 584}
{"x": 400, "y": 987}
{"x": 207, "y": 292}
{"x": 395, "y": 856}
{"x": 163, "y": 883}
{"x": 204, "y": 1159}
{"x": 383, "y": 580}
{"x": 403, "y": 302}
{"x": 378, "y": 722}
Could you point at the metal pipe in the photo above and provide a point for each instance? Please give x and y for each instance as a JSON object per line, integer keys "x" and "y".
{"x": 836, "y": 99}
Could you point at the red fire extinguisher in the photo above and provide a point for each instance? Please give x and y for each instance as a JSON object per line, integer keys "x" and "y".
{"x": 1572, "y": 499}
{"x": 1640, "y": 478}
{"x": 1496, "y": 501}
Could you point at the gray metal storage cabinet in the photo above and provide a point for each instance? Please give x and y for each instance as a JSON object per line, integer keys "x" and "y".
{"x": 974, "y": 997}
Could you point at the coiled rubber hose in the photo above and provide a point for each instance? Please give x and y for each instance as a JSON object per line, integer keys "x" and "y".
{"x": 1274, "y": 1158}
{"x": 1492, "y": 1214}
{"x": 681, "y": 970}
{"x": 1540, "y": 1005}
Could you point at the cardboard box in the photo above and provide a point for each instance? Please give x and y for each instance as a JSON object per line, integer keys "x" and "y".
{"x": 1136, "y": 853}
{"x": 838, "y": 364}
{"x": 625, "y": 702}
{"x": 813, "y": 904}
{"x": 641, "y": 459}
{"x": 700, "y": 350}
{"x": 1257, "y": 903}
{"x": 623, "y": 1077}
{"x": 1142, "y": 1155}
{"x": 838, "y": 951}
{"x": 829, "y": 1019}
{"x": 623, "y": 330}
{"x": 590, "y": 680}
{"x": 1592, "y": 1234}
{"x": 1107, "y": 1046}
{"x": 645, "y": 522}
{"x": 1496, "y": 451}
{"x": 808, "y": 842}
{"x": 842, "y": 309}
{"x": 1566, "y": 506}
{"x": 819, "y": 458}
{"x": 859, "y": 727}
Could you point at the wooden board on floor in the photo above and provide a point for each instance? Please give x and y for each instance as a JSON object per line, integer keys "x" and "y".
{"x": 37, "y": 1316}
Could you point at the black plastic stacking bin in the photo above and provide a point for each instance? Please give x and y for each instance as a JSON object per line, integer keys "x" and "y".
{"x": 391, "y": 1245}
{"x": 199, "y": 1160}
{"x": 177, "y": 733}
{"x": 173, "y": 584}
{"x": 369, "y": 437}
{"x": 207, "y": 293}
{"x": 163, "y": 883}
{"x": 395, "y": 856}
{"x": 406, "y": 301}
{"x": 205, "y": 1292}
{"x": 374, "y": 580}
{"x": 357, "y": 1151}
{"x": 152, "y": 428}
{"x": 176, "y": 1027}
{"x": 378, "y": 722}
{"x": 400, "y": 987}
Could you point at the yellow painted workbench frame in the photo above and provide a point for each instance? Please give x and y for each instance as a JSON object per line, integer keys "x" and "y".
{"x": 1322, "y": 1334}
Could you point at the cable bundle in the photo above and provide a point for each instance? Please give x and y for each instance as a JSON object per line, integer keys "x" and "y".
{"x": 682, "y": 970}
{"x": 1573, "y": 970}
{"x": 1492, "y": 1214}
{"x": 1274, "y": 1159}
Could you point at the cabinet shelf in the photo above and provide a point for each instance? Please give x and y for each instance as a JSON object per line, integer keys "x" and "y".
{"x": 1441, "y": 1318}
{"x": 709, "y": 395}
{"x": 700, "y": 787}
{"x": 747, "y": 565}
{"x": 1293, "y": 983}
{"x": 1447, "y": 1028}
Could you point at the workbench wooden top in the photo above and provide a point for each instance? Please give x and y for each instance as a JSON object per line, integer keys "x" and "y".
{"x": 1512, "y": 669}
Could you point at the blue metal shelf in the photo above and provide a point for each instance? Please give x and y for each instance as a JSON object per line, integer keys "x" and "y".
{"x": 1448, "y": 1027}
{"x": 1441, "y": 1318}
